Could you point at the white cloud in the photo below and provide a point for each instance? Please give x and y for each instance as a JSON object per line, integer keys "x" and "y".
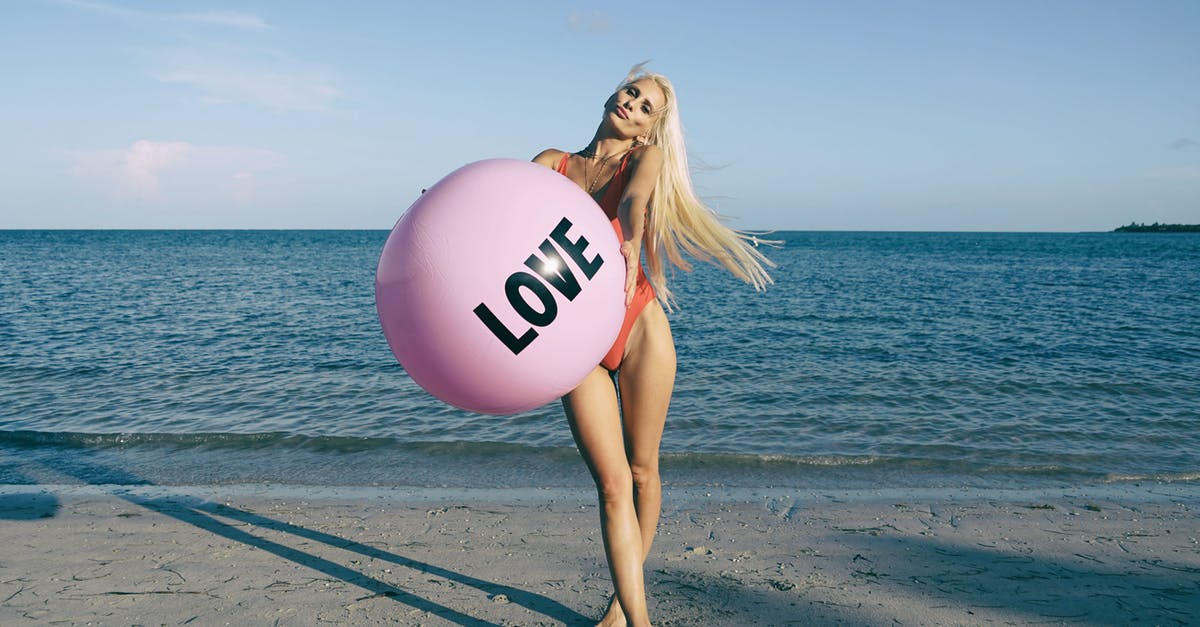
{"x": 229, "y": 75}
{"x": 151, "y": 170}
{"x": 145, "y": 160}
{"x": 231, "y": 19}
{"x": 223, "y": 73}
{"x": 256, "y": 86}
{"x": 100, "y": 7}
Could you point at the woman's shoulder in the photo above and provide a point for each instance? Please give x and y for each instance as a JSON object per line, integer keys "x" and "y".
{"x": 549, "y": 157}
{"x": 645, "y": 152}
{"x": 647, "y": 156}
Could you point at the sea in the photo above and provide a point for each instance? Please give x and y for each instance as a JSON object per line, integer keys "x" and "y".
{"x": 875, "y": 360}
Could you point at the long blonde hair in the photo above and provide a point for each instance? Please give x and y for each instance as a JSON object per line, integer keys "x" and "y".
{"x": 678, "y": 221}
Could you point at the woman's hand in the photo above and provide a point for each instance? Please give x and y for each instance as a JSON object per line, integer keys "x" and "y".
{"x": 632, "y": 253}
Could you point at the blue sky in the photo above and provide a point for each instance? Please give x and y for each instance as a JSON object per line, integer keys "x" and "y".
{"x": 916, "y": 115}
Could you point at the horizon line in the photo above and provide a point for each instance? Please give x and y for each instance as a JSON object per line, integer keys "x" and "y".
{"x": 751, "y": 231}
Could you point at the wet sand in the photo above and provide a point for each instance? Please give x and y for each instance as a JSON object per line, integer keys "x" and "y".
{"x": 261, "y": 555}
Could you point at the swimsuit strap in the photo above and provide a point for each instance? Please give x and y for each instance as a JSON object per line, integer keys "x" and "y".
{"x": 624, "y": 161}
{"x": 562, "y": 165}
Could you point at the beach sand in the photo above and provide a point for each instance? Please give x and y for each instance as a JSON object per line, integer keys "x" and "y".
{"x": 263, "y": 555}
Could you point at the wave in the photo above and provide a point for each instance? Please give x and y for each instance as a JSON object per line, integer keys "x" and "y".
{"x": 1166, "y": 477}
{"x": 23, "y": 439}
{"x": 41, "y": 457}
{"x": 284, "y": 442}
{"x": 272, "y": 457}
{"x": 334, "y": 445}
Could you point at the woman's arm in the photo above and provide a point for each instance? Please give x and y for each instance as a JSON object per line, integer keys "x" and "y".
{"x": 645, "y": 165}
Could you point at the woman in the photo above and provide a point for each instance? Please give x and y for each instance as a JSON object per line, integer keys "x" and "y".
{"x": 636, "y": 169}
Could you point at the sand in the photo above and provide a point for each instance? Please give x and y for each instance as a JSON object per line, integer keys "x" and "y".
{"x": 265, "y": 555}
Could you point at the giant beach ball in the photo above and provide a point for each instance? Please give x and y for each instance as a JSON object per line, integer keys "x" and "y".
{"x": 501, "y": 287}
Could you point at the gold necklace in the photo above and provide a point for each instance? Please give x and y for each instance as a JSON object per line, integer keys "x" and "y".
{"x": 599, "y": 168}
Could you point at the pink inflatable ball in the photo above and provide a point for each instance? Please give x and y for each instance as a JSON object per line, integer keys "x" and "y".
{"x": 501, "y": 287}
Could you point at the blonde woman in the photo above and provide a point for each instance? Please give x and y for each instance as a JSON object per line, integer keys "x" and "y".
{"x": 636, "y": 169}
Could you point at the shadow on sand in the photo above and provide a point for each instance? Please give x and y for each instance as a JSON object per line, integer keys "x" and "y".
{"x": 30, "y": 506}
{"x": 204, "y": 514}
{"x": 1044, "y": 588}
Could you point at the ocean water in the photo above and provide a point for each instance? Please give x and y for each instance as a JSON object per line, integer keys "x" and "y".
{"x": 876, "y": 360}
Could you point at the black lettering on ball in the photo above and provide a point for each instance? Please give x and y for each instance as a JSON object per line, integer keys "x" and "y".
{"x": 512, "y": 289}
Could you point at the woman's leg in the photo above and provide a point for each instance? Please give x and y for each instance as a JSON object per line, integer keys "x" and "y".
{"x": 592, "y": 411}
{"x": 646, "y": 379}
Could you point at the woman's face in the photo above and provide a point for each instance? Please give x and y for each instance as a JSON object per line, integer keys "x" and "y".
{"x": 635, "y": 107}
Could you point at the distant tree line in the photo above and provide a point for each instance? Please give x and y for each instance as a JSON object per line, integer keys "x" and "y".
{"x": 1134, "y": 227}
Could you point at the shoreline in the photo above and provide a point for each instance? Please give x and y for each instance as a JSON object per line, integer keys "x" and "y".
{"x": 254, "y": 554}
{"x": 269, "y": 459}
{"x": 1141, "y": 491}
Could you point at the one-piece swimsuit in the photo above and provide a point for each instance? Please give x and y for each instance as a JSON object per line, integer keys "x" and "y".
{"x": 643, "y": 292}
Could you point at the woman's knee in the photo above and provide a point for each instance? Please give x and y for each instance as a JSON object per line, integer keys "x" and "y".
{"x": 645, "y": 477}
{"x": 615, "y": 487}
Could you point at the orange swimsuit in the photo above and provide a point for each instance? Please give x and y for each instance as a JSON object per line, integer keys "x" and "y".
{"x": 643, "y": 293}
